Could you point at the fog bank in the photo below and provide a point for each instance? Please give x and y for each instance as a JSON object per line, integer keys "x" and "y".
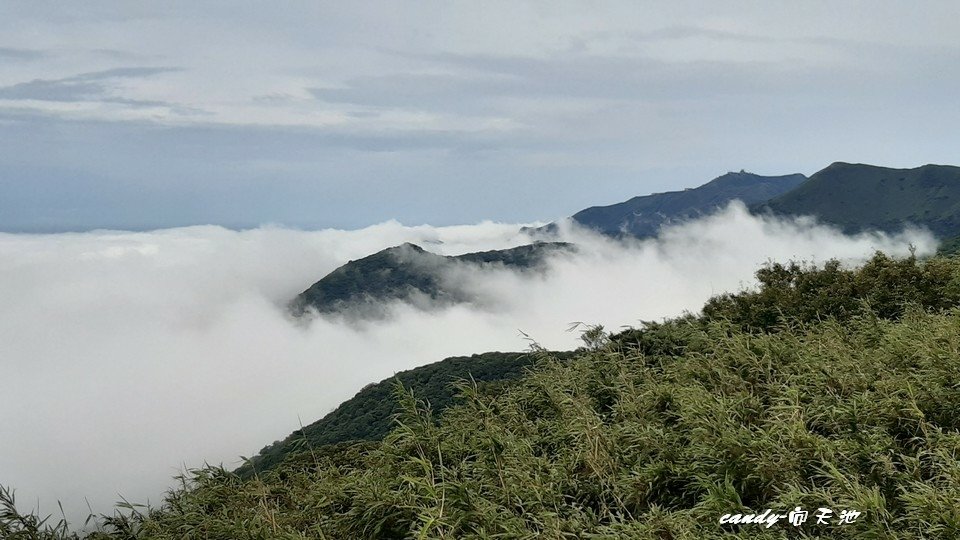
{"x": 126, "y": 356}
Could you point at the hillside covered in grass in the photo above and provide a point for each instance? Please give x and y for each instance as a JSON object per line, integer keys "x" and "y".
{"x": 368, "y": 416}
{"x": 825, "y": 387}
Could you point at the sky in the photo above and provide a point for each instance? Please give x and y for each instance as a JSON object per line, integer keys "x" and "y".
{"x": 129, "y": 356}
{"x": 145, "y": 115}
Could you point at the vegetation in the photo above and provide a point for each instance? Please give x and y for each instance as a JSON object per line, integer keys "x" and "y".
{"x": 825, "y": 387}
{"x": 949, "y": 246}
{"x": 883, "y": 287}
{"x": 369, "y": 415}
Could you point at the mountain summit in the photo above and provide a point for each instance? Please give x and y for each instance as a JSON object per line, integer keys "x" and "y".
{"x": 408, "y": 272}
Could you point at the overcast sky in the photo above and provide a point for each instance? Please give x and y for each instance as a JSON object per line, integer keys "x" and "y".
{"x": 141, "y": 115}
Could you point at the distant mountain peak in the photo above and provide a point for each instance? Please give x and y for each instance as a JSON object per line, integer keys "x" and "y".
{"x": 406, "y": 245}
{"x": 408, "y": 272}
{"x": 644, "y": 215}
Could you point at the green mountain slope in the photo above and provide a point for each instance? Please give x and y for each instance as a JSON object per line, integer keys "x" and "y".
{"x": 369, "y": 414}
{"x": 858, "y": 197}
{"x": 643, "y": 216}
{"x": 408, "y": 272}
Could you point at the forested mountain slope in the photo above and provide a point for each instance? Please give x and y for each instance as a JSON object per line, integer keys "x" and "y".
{"x": 858, "y": 197}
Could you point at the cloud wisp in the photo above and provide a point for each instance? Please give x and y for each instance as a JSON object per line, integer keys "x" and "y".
{"x": 18, "y": 54}
{"x": 128, "y": 355}
{"x": 82, "y": 87}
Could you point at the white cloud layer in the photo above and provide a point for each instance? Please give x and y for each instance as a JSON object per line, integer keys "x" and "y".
{"x": 127, "y": 355}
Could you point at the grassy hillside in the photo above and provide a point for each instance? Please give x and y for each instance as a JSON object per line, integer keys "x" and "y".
{"x": 858, "y": 197}
{"x": 824, "y": 388}
{"x": 369, "y": 414}
{"x": 408, "y": 272}
{"x": 643, "y": 216}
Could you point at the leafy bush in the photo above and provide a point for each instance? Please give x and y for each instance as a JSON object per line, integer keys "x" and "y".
{"x": 797, "y": 293}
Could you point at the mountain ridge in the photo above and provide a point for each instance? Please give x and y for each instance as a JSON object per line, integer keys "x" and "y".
{"x": 856, "y": 197}
{"x": 410, "y": 273}
{"x": 644, "y": 215}
{"x": 851, "y": 196}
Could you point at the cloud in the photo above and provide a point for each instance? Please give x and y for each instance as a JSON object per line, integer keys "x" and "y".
{"x": 13, "y": 53}
{"x": 687, "y": 32}
{"x": 479, "y": 81}
{"x": 93, "y": 86}
{"x": 128, "y": 355}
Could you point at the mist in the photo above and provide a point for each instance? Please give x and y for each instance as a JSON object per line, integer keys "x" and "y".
{"x": 126, "y": 357}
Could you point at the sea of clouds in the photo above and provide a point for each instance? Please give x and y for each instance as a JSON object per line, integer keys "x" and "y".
{"x": 127, "y": 356}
